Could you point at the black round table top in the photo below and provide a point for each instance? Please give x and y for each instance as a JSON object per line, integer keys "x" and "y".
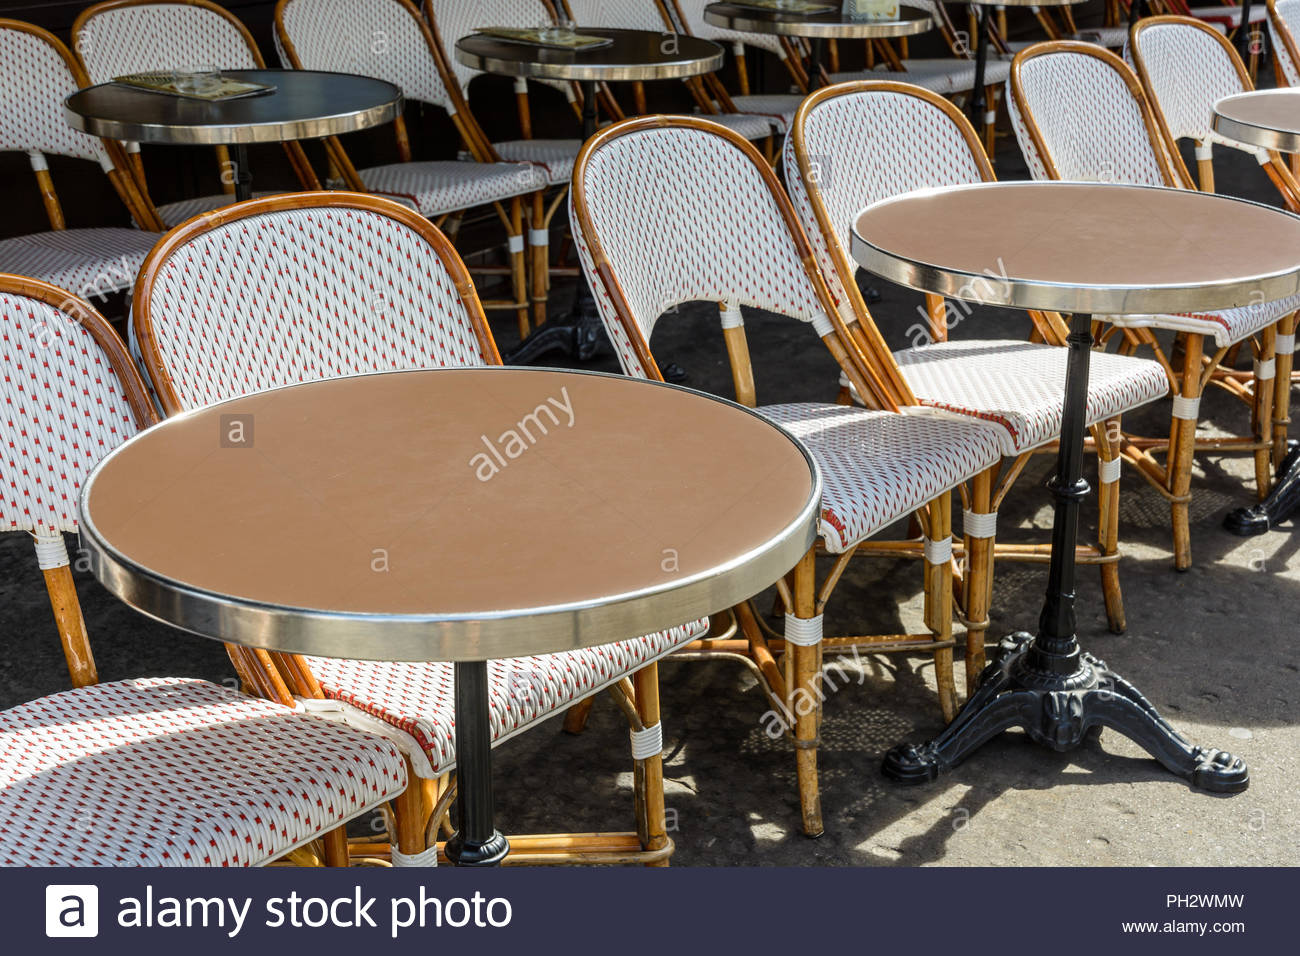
{"x": 634, "y": 55}
{"x": 830, "y": 24}
{"x": 305, "y": 104}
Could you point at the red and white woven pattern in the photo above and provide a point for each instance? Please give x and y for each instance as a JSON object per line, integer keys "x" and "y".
{"x": 554, "y": 158}
{"x": 435, "y": 188}
{"x": 683, "y": 217}
{"x": 779, "y": 108}
{"x": 175, "y": 213}
{"x": 1019, "y": 385}
{"x": 878, "y": 467}
{"x": 305, "y": 294}
{"x": 1289, "y": 13}
{"x": 616, "y": 15}
{"x": 866, "y": 147}
{"x": 33, "y": 85}
{"x": 90, "y": 262}
{"x": 1090, "y": 122}
{"x": 62, "y": 409}
{"x": 175, "y": 772}
{"x": 415, "y": 703}
{"x": 1188, "y": 71}
{"x": 159, "y": 36}
{"x": 378, "y": 38}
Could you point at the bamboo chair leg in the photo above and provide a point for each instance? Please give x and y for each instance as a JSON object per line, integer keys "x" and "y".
{"x": 408, "y": 811}
{"x": 519, "y": 264}
{"x": 575, "y": 719}
{"x": 978, "y": 574}
{"x": 1282, "y": 387}
{"x": 649, "y": 774}
{"x": 541, "y": 259}
{"x": 336, "y": 847}
{"x": 802, "y": 681}
{"x": 1182, "y": 439}
{"x": 1107, "y": 437}
{"x": 990, "y": 119}
{"x": 938, "y": 599}
{"x": 72, "y": 626}
{"x": 1261, "y": 419}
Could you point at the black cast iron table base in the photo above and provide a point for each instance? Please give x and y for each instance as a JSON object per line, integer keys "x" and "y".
{"x": 1061, "y": 711}
{"x": 476, "y": 841}
{"x": 1280, "y": 504}
{"x": 1047, "y": 684}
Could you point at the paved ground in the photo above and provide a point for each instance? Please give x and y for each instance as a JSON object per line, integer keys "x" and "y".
{"x": 1213, "y": 649}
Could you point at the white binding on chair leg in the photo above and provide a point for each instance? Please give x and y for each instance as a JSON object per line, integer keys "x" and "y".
{"x": 427, "y": 857}
{"x": 50, "y": 551}
{"x": 1285, "y": 344}
{"x": 1265, "y": 370}
{"x": 647, "y": 743}
{"x": 938, "y": 552}
{"x": 978, "y": 524}
{"x": 803, "y": 631}
{"x": 1187, "y": 408}
{"x": 1109, "y": 470}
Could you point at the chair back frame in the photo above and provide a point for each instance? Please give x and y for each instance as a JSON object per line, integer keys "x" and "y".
{"x": 51, "y": 552}
{"x": 113, "y": 159}
{"x": 1172, "y": 176}
{"x": 842, "y": 345}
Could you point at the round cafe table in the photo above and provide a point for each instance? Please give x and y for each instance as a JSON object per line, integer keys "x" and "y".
{"x": 633, "y": 55}
{"x": 396, "y": 517}
{"x": 305, "y": 104}
{"x": 831, "y": 24}
{"x": 1078, "y": 248}
{"x": 1268, "y": 119}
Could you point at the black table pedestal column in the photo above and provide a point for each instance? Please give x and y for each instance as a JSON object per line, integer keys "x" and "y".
{"x": 1060, "y": 694}
{"x": 584, "y": 336}
{"x": 476, "y": 841}
{"x": 977, "y": 103}
{"x": 243, "y": 175}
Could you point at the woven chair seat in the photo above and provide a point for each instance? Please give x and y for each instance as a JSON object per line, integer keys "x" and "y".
{"x": 555, "y": 157}
{"x": 178, "y": 772}
{"x": 942, "y": 74}
{"x": 1226, "y": 328}
{"x": 1019, "y": 385}
{"x": 752, "y": 126}
{"x": 878, "y": 467}
{"x": 777, "y": 106}
{"x": 414, "y": 703}
{"x": 175, "y": 213}
{"x": 437, "y": 188}
{"x": 85, "y": 261}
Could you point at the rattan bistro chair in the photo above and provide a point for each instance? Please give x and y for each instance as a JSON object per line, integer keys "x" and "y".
{"x": 1080, "y": 114}
{"x": 1284, "y": 29}
{"x": 118, "y": 37}
{"x": 159, "y": 771}
{"x": 1185, "y": 67}
{"x": 860, "y": 143}
{"x": 39, "y": 73}
{"x": 337, "y": 283}
{"x": 389, "y": 40}
{"x": 640, "y": 195}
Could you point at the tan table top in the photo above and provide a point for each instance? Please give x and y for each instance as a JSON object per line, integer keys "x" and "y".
{"x": 1269, "y": 119}
{"x": 1083, "y": 247}
{"x": 462, "y": 514}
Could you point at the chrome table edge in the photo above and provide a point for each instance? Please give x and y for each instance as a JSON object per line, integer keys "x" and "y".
{"x": 1263, "y": 137}
{"x": 754, "y": 22}
{"x": 609, "y": 72}
{"x": 471, "y": 636}
{"x": 989, "y": 288}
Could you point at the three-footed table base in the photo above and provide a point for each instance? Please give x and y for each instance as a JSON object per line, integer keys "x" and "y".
{"x": 1061, "y": 711}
